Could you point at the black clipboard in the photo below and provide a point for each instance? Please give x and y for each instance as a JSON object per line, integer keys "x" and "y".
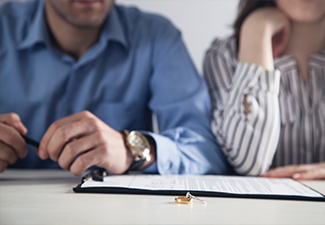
{"x": 100, "y": 176}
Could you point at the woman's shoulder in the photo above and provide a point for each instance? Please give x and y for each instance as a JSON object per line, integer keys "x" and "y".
{"x": 225, "y": 44}
{"x": 224, "y": 48}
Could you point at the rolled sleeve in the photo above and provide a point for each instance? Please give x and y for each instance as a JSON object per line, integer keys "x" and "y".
{"x": 248, "y": 139}
{"x": 181, "y": 103}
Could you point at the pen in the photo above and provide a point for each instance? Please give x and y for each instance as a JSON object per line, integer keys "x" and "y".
{"x": 31, "y": 141}
{"x": 95, "y": 174}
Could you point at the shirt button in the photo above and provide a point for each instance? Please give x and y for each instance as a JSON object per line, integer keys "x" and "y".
{"x": 168, "y": 165}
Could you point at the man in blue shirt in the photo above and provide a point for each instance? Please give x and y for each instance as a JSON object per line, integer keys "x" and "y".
{"x": 76, "y": 74}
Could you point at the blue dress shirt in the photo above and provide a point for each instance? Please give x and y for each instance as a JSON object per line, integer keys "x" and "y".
{"x": 139, "y": 66}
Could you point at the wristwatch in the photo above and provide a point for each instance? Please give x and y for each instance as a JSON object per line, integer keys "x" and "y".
{"x": 139, "y": 146}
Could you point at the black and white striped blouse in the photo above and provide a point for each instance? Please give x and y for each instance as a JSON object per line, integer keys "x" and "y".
{"x": 286, "y": 122}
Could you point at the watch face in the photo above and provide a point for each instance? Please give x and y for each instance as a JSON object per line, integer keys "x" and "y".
{"x": 139, "y": 144}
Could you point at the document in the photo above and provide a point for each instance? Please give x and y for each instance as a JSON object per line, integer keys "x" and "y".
{"x": 207, "y": 185}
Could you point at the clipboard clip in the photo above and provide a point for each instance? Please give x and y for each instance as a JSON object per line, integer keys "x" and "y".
{"x": 95, "y": 175}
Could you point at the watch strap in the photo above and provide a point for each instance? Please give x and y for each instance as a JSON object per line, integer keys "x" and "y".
{"x": 136, "y": 164}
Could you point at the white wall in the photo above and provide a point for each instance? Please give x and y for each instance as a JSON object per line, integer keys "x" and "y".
{"x": 200, "y": 21}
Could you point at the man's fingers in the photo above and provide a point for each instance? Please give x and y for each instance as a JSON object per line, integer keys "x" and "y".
{"x": 12, "y": 144}
{"x": 13, "y": 120}
{"x": 68, "y": 132}
{"x": 54, "y": 129}
{"x": 7, "y": 154}
{"x": 11, "y": 137}
{"x": 94, "y": 157}
{"x": 3, "y": 165}
{"x": 78, "y": 147}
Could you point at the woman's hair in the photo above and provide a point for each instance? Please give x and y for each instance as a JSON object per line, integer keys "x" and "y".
{"x": 245, "y": 8}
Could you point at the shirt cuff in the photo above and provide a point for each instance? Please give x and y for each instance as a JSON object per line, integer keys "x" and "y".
{"x": 252, "y": 75}
{"x": 152, "y": 169}
{"x": 164, "y": 153}
{"x": 270, "y": 81}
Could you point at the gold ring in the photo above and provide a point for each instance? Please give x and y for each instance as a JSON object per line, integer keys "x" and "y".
{"x": 183, "y": 200}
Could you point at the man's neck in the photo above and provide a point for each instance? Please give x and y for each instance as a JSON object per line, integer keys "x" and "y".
{"x": 71, "y": 40}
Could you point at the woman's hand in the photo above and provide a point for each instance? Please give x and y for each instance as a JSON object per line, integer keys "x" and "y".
{"x": 264, "y": 35}
{"x": 298, "y": 172}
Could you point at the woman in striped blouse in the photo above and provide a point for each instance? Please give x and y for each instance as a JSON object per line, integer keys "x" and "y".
{"x": 267, "y": 85}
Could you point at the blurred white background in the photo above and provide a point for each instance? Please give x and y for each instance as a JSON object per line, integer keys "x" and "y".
{"x": 200, "y": 21}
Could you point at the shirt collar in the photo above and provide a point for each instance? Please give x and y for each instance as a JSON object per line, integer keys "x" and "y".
{"x": 113, "y": 29}
{"x": 317, "y": 60}
{"x": 38, "y": 31}
{"x": 287, "y": 63}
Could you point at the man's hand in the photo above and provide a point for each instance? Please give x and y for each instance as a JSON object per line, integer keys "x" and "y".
{"x": 298, "y": 172}
{"x": 83, "y": 140}
{"x": 12, "y": 145}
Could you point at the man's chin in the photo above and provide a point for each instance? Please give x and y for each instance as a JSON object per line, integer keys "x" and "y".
{"x": 88, "y": 4}
{"x": 86, "y": 23}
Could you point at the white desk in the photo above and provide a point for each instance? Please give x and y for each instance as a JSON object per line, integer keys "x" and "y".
{"x": 46, "y": 197}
